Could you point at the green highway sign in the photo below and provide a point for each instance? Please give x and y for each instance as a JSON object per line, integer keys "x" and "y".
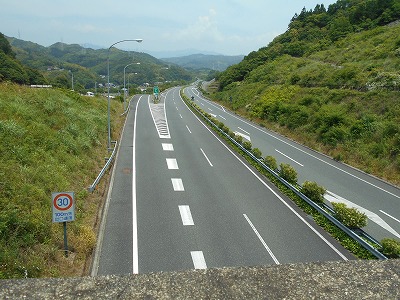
{"x": 156, "y": 90}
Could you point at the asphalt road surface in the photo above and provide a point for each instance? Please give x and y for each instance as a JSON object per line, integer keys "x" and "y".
{"x": 180, "y": 199}
{"x": 379, "y": 200}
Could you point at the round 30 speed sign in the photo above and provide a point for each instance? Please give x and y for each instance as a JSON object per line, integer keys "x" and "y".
{"x": 63, "y": 206}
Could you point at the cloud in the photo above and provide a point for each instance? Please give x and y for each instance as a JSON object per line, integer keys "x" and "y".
{"x": 204, "y": 27}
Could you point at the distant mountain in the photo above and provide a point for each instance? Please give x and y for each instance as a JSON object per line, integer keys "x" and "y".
{"x": 179, "y": 53}
{"x": 202, "y": 61}
{"x": 88, "y": 67}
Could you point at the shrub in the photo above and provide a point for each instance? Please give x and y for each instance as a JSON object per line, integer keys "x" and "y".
{"x": 257, "y": 153}
{"x": 391, "y": 248}
{"x": 350, "y": 217}
{"x": 313, "y": 191}
{"x": 270, "y": 161}
{"x": 288, "y": 173}
{"x": 238, "y": 138}
{"x": 247, "y": 145}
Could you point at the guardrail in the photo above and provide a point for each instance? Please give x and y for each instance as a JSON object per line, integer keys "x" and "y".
{"x": 92, "y": 187}
{"x": 331, "y": 218}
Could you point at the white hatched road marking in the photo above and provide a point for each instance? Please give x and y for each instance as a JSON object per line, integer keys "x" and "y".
{"x": 244, "y": 130}
{"x": 177, "y": 184}
{"x": 172, "y": 164}
{"x": 331, "y": 197}
{"x": 245, "y": 136}
{"x": 159, "y": 118}
{"x": 389, "y": 215}
{"x": 198, "y": 260}
{"x": 186, "y": 215}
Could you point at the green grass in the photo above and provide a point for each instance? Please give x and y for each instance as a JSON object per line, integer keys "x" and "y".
{"x": 51, "y": 140}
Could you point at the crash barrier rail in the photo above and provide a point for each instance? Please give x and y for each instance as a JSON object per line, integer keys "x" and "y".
{"x": 331, "y": 218}
{"x": 109, "y": 160}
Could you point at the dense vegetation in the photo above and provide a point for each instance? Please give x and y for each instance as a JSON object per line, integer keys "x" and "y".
{"x": 13, "y": 70}
{"x": 331, "y": 81}
{"x": 51, "y": 141}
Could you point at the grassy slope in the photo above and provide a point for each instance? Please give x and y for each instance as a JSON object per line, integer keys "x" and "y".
{"x": 50, "y": 141}
{"x": 322, "y": 101}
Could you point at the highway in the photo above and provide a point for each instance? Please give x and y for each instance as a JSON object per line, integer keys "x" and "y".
{"x": 180, "y": 199}
{"x": 379, "y": 200}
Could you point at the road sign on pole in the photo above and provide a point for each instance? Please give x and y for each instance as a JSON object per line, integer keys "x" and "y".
{"x": 63, "y": 206}
{"x": 156, "y": 91}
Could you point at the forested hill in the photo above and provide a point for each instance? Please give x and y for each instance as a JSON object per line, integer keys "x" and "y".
{"x": 13, "y": 70}
{"x": 331, "y": 81}
{"x": 311, "y": 31}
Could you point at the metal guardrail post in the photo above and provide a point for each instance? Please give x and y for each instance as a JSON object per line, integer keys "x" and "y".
{"x": 347, "y": 230}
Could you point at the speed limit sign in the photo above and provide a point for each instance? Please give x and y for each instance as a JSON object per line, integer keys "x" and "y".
{"x": 63, "y": 205}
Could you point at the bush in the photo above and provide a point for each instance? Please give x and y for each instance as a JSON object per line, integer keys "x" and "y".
{"x": 313, "y": 191}
{"x": 350, "y": 217}
{"x": 257, "y": 153}
{"x": 247, "y": 145}
{"x": 288, "y": 173}
{"x": 391, "y": 248}
{"x": 238, "y": 138}
{"x": 270, "y": 161}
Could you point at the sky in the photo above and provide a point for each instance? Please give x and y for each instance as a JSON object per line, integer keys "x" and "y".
{"x": 228, "y": 27}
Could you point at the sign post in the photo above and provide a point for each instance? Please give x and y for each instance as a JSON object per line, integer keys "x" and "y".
{"x": 63, "y": 207}
{"x": 156, "y": 91}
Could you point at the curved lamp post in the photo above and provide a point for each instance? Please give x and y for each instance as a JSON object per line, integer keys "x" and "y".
{"x": 108, "y": 87}
{"x": 138, "y": 63}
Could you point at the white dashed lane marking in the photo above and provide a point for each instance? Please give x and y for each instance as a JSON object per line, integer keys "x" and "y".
{"x": 177, "y": 184}
{"x": 186, "y": 215}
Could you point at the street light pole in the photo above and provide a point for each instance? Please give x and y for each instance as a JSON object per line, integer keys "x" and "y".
{"x": 138, "y": 63}
{"x": 108, "y": 87}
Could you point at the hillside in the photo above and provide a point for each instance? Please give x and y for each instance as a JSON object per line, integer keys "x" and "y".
{"x": 331, "y": 81}
{"x": 202, "y": 61}
{"x": 12, "y": 70}
{"x": 51, "y": 141}
{"x": 89, "y": 67}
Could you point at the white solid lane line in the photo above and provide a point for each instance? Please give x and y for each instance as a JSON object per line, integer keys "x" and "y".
{"x": 261, "y": 239}
{"x": 177, "y": 184}
{"x": 289, "y": 158}
{"x": 206, "y": 157}
{"x": 186, "y": 215}
{"x": 198, "y": 260}
{"x": 167, "y": 147}
{"x": 172, "y": 164}
{"x": 135, "y": 247}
